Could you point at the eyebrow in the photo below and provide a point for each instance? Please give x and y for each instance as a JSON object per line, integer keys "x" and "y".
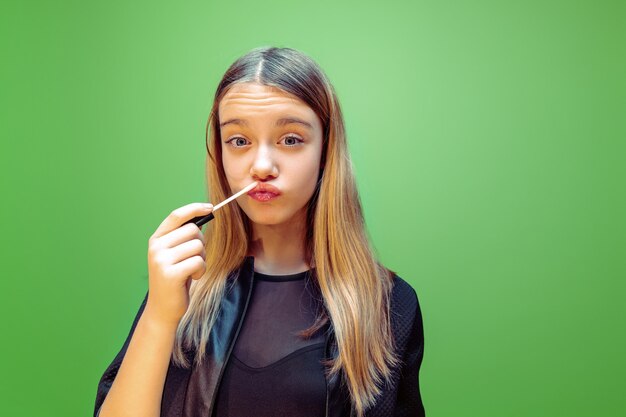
{"x": 280, "y": 122}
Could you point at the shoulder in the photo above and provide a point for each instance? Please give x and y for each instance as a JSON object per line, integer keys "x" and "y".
{"x": 404, "y": 298}
{"x": 406, "y": 315}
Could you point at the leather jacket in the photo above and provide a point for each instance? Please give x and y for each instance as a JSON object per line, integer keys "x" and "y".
{"x": 398, "y": 399}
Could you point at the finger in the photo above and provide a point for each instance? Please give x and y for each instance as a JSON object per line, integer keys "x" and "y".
{"x": 184, "y": 233}
{"x": 188, "y": 267}
{"x": 179, "y": 216}
{"x": 186, "y": 250}
{"x": 198, "y": 274}
{"x": 201, "y": 237}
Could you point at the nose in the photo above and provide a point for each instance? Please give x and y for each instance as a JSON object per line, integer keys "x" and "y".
{"x": 264, "y": 164}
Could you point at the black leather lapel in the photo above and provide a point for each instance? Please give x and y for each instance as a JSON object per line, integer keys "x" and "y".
{"x": 177, "y": 402}
{"x": 174, "y": 391}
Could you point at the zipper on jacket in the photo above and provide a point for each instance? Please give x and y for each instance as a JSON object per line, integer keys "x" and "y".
{"x": 232, "y": 343}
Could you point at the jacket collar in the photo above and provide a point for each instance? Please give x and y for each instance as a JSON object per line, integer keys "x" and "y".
{"x": 219, "y": 346}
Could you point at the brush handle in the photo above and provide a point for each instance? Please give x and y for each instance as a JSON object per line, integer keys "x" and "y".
{"x": 201, "y": 220}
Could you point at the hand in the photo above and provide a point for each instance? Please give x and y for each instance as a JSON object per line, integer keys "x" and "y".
{"x": 176, "y": 254}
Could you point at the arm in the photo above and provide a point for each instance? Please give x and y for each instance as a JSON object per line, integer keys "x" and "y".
{"x": 133, "y": 383}
{"x": 409, "y": 400}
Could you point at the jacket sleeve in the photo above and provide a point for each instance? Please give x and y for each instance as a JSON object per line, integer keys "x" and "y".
{"x": 409, "y": 399}
{"x": 111, "y": 371}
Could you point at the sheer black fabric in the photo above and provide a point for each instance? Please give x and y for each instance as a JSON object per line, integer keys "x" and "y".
{"x": 272, "y": 371}
{"x": 281, "y": 306}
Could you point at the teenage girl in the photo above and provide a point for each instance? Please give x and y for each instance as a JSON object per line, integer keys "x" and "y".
{"x": 279, "y": 308}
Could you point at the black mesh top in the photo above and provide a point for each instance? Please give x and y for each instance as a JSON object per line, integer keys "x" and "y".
{"x": 273, "y": 372}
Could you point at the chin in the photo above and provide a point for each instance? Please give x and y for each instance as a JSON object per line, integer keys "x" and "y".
{"x": 269, "y": 218}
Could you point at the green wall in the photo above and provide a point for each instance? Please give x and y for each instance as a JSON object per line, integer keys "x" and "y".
{"x": 488, "y": 142}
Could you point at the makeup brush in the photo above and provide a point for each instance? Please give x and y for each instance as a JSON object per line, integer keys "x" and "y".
{"x": 201, "y": 220}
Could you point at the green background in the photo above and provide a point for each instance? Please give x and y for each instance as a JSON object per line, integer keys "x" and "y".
{"x": 488, "y": 142}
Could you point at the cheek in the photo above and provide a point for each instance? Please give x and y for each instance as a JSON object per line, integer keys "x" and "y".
{"x": 304, "y": 171}
{"x": 233, "y": 167}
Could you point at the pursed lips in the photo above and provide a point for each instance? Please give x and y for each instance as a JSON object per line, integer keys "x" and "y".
{"x": 264, "y": 192}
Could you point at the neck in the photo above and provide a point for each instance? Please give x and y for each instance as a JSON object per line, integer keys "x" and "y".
{"x": 279, "y": 249}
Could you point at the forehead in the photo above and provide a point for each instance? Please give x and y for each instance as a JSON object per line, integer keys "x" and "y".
{"x": 253, "y": 99}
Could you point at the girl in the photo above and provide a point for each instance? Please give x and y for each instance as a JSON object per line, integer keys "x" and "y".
{"x": 279, "y": 308}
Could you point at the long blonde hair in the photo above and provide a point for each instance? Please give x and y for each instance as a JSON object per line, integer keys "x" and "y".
{"x": 355, "y": 288}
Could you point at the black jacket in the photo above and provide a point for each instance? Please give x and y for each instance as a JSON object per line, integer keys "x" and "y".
{"x": 400, "y": 398}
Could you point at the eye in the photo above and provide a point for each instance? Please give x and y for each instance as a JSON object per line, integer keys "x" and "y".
{"x": 292, "y": 140}
{"x": 237, "y": 142}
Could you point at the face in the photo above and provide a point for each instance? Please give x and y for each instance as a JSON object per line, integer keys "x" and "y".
{"x": 272, "y": 137}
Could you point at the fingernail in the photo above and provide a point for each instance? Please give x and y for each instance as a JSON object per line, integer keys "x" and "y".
{"x": 207, "y": 206}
